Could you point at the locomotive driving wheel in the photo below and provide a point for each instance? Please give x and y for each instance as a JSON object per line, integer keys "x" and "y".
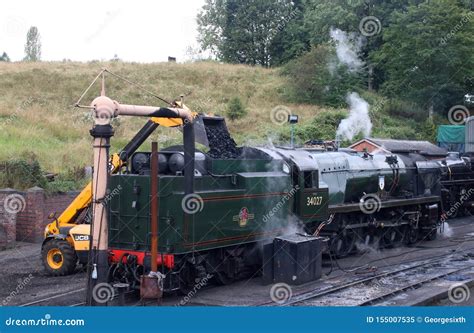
{"x": 391, "y": 237}
{"x": 343, "y": 243}
{"x": 411, "y": 235}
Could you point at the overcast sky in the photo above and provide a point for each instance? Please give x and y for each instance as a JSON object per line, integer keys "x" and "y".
{"x": 143, "y": 31}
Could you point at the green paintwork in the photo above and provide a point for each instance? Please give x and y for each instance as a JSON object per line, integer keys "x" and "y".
{"x": 266, "y": 198}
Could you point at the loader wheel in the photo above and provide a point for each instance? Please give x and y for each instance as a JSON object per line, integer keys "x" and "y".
{"x": 59, "y": 257}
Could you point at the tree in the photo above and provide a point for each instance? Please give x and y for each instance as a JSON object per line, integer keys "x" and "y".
{"x": 292, "y": 38}
{"x": 235, "y": 109}
{"x": 317, "y": 77}
{"x": 242, "y": 31}
{"x": 354, "y": 16}
{"x": 211, "y": 23}
{"x": 427, "y": 54}
{"x": 5, "y": 57}
{"x": 33, "y": 45}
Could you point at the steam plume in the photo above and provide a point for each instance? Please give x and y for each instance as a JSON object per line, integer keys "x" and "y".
{"x": 347, "y": 48}
{"x": 358, "y": 120}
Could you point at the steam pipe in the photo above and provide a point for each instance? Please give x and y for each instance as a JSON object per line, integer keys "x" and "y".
{"x": 105, "y": 109}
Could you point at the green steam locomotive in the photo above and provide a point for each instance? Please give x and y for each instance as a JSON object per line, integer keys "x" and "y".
{"x": 241, "y": 200}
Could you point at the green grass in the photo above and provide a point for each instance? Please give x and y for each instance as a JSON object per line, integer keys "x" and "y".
{"x": 36, "y": 116}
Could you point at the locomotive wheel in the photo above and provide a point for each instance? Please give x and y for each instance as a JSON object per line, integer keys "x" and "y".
{"x": 59, "y": 257}
{"x": 226, "y": 275}
{"x": 343, "y": 244}
{"x": 222, "y": 278}
{"x": 432, "y": 234}
{"x": 453, "y": 199}
{"x": 411, "y": 235}
{"x": 390, "y": 237}
{"x": 187, "y": 278}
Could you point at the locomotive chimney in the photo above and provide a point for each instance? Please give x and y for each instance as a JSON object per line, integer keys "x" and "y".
{"x": 337, "y": 142}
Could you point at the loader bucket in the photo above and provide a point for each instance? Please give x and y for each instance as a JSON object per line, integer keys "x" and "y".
{"x": 204, "y": 126}
{"x": 200, "y": 131}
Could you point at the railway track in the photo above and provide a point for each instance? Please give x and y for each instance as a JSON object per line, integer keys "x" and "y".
{"x": 380, "y": 287}
{"x": 58, "y": 299}
{"x": 63, "y": 299}
{"x": 354, "y": 290}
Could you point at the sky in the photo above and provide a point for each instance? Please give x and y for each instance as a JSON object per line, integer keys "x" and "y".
{"x": 141, "y": 31}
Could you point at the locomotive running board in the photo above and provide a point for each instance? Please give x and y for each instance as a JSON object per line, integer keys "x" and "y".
{"x": 356, "y": 207}
{"x": 457, "y": 182}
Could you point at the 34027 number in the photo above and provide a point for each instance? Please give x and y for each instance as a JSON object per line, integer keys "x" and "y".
{"x": 314, "y": 200}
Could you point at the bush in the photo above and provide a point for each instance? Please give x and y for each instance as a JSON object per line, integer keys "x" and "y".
{"x": 21, "y": 174}
{"x": 235, "y": 109}
{"x": 60, "y": 185}
{"x": 318, "y": 78}
{"x": 404, "y": 109}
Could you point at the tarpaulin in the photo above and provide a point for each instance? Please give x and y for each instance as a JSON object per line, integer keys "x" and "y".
{"x": 451, "y": 134}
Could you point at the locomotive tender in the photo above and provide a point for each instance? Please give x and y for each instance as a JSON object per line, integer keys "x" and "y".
{"x": 244, "y": 201}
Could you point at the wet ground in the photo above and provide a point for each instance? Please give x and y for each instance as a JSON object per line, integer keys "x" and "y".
{"x": 24, "y": 281}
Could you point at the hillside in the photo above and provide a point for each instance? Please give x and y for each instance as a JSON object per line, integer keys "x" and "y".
{"x": 36, "y": 117}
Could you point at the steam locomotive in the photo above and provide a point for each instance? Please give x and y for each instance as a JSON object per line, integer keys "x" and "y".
{"x": 243, "y": 200}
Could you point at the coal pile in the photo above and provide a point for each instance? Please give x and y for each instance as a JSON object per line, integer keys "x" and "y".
{"x": 221, "y": 144}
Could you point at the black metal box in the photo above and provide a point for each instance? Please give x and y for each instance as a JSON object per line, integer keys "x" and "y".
{"x": 297, "y": 259}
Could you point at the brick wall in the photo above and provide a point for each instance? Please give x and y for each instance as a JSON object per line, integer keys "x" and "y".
{"x": 32, "y": 212}
{"x": 364, "y": 145}
{"x": 8, "y": 200}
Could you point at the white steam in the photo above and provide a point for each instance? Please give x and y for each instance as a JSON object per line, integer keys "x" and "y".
{"x": 445, "y": 231}
{"x": 348, "y": 48}
{"x": 358, "y": 120}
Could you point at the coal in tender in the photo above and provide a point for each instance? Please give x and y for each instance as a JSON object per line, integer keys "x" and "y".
{"x": 221, "y": 144}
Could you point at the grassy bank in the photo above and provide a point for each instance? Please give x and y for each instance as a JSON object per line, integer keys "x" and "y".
{"x": 37, "y": 120}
